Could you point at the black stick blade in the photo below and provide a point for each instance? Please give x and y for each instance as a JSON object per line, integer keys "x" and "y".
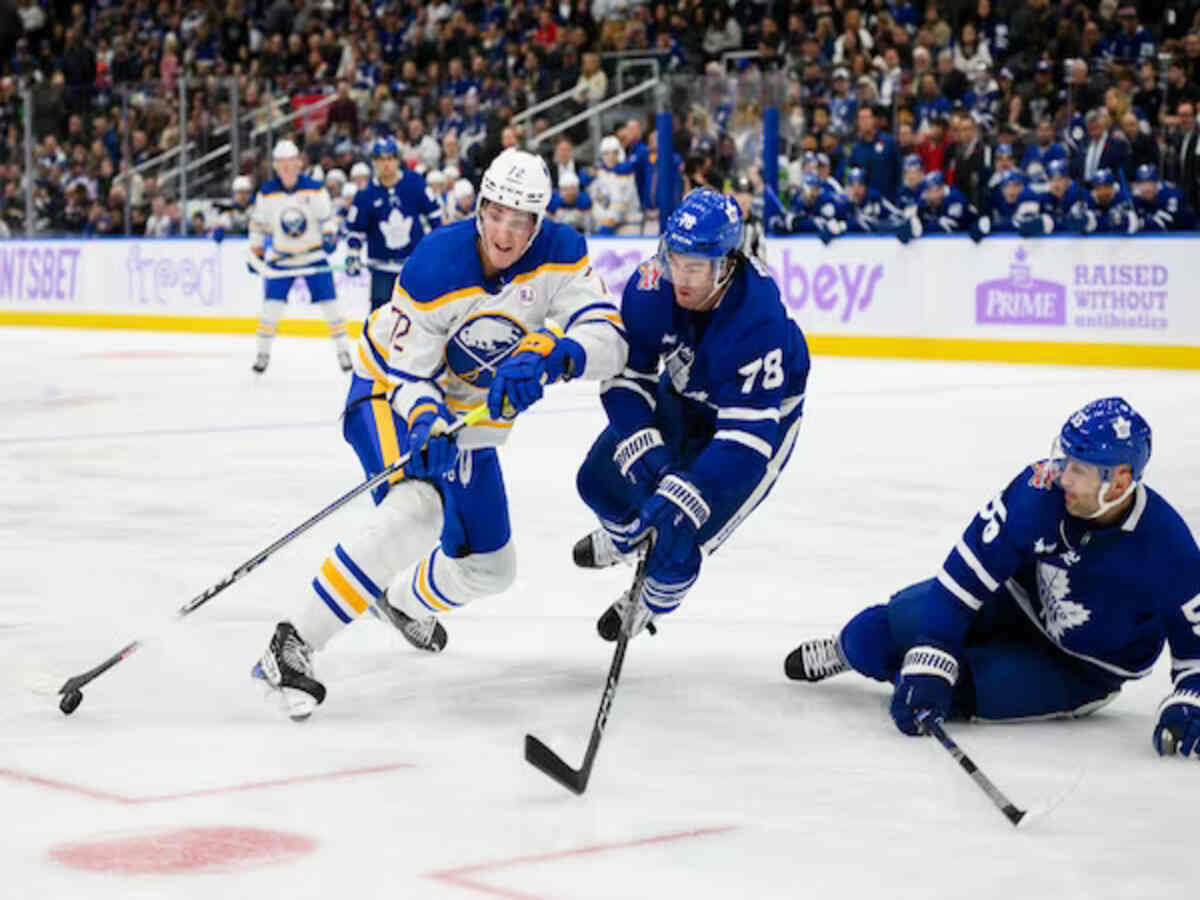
{"x": 542, "y": 757}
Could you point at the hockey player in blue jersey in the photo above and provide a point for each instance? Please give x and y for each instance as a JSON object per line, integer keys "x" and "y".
{"x": 393, "y": 212}
{"x": 1109, "y": 207}
{"x": 689, "y": 453}
{"x": 869, "y": 211}
{"x": 911, "y": 175}
{"x": 1159, "y": 205}
{"x": 818, "y": 210}
{"x": 1003, "y": 162}
{"x": 467, "y": 319}
{"x": 1063, "y": 587}
{"x": 943, "y": 209}
{"x": 1063, "y": 206}
{"x": 1015, "y": 204}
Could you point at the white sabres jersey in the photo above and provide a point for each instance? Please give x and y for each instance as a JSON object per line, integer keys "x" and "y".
{"x": 448, "y": 328}
{"x": 295, "y": 220}
{"x": 615, "y": 199}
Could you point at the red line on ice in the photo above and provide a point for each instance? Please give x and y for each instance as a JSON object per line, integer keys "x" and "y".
{"x": 128, "y": 800}
{"x": 461, "y": 875}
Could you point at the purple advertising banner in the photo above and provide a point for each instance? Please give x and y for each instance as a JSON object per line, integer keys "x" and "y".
{"x": 41, "y": 274}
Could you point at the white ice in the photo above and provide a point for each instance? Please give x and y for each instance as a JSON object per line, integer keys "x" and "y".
{"x": 137, "y": 469}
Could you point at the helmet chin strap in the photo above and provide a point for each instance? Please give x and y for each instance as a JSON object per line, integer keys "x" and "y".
{"x": 1106, "y": 505}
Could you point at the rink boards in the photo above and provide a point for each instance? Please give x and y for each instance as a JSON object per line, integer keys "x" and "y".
{"x": 1095, "y": 301}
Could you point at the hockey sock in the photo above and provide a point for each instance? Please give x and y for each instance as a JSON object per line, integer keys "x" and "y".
{"x": 867, "y": 644}
{"x": 332, "y": 310}
{"x": 439, "y": 583}
{"x": 399, "y": 531}
{"x": 268, "y": 323}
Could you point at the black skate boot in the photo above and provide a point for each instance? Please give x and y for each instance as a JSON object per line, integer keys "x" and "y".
{"x": 286, "y": 669}
{"x": 343, "y": 358}
{"x": 260, "y": 363}
{"x": 596, "y": 551}
{"x": 609, "y": 624}
{"x": 424, "y": 632}
{"x": 816, "y": 660}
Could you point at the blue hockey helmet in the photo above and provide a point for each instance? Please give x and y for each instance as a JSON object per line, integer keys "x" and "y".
{"x": 912, "y": 161}
{"x": 707, "y": 227}
{"x": 705, "y": 224}
{"x": 856, "y": 175}
{"x": 1104, "y": 177}
{"x": 1004, "y": 150}
{"x": 385, "y": 146}
{"x": 1146, "y": 172}
{"x": 932, "y": 179}
{"x": 1012, "y": 176}
{"x": 1058, "y": 168}
{"x": 1107, "y": 434}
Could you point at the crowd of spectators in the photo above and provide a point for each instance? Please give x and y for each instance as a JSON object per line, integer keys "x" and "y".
{"x": 864, "y": 83}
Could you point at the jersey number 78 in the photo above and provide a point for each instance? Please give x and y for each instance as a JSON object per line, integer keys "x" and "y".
{"x": 770, "y": 365}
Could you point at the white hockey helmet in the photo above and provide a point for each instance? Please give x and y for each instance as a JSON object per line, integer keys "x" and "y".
{"x": 242, "y": 183}
{"x": 519, "y": 180}
{"x": 335, "y": 175}
{"x": 435, "y": 177}
{"x": 349, "y": 189}
{"x": 360, "y": 170}
{"x": 285, "y": 149}
{"x": 610, "y": 144}
{"x": 463, "y": 190}
{"x": 452, "y": 174}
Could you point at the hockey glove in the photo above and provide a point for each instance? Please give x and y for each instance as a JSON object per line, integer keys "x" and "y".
{"x": 980, "y": 228}
{"x": 353, "y": 261}
{"x": 676, "y": 511}
{"x": 432, "y": 452}
{"x": 329, "y": 242}
{"x": 1178, "y": 728}
{"x": 541, "y": 358}
{"x": 925, "y": 685}
{"x": 642, "y": 458}
{"x": 218, "y": 234}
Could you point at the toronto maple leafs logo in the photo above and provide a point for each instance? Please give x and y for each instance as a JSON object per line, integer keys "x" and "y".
{"x": 1058, "y": 612}
{"x": 679, "y": 366}
{"x": 1042, "y": 548}
{"x": 397, "y": 230}
{"x": 1121, "y": 427}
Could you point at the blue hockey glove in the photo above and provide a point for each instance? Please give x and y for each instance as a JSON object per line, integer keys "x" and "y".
{"x": 980, "y": 228}
{"x": 676, "y": 511}
{"x": 1178, "y": 728}
{"x": 909, "y": 229}
{"x": 642, "y": 458}
{"x": 329, "y": 243}
{"x": 218, "y": 234}
{"x": 824, "y": 233}
{"x": 541, "y": 358}
{"x": 353, "y": 265}
{"x": 432, "y": 452}
{"x": 925, "y": 685}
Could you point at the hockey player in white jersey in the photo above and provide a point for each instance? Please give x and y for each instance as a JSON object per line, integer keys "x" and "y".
{"x": 467, "y": 322}
{"x": 293, "y": 226}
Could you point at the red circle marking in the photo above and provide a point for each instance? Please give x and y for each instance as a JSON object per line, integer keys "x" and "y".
{"x": 183, "y": 850}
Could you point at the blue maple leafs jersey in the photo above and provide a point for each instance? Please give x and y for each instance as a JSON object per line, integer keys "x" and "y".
{"x": 1068, "y": 211}
{"x": 875, "y": 213}
{"x": 1168, "y": 211}
{"x": 827, "y": 205}
{"x": 736, "y": 374}
{"x": 1117, "y": 217}
{"x": 393, "y": 219}
{"x": 954, "y": 214}
{"x": 1007, "y": 217}
{"x": 1109, "y": 597}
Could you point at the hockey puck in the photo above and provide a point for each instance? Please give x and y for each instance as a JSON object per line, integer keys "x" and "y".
{"x": 70, "y": 702}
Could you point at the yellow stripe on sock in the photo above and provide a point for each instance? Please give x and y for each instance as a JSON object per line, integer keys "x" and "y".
{"x": 426, "y": 594}
{"x": 344, "y": 589}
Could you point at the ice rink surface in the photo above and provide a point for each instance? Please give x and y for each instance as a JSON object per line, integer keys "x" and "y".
{"x": 139, "y": 469}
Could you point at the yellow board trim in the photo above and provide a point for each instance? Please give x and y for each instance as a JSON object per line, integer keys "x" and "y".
{"x": 1142, "y": 356}
{"x": 1062, "y": 353}
{"x": 343, "y": 587}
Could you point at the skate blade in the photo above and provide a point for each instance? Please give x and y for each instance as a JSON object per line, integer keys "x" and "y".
{"x": 293, "y": 703}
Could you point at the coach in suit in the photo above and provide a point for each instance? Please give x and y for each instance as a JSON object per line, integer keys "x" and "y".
{"x": 1104, "y": 149}
{"x": 1185, "y": 158}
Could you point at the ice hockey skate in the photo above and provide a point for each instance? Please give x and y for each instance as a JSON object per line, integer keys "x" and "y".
{"x": 260, "y": 363}
{"x": 609, "y": 624}
{"x": 343, "y": 358}
{"x": 596, "y": 551}
{"x": 287, "y": 671}
{"x": 816, "y": 660}
{"x": 421, "y": 629}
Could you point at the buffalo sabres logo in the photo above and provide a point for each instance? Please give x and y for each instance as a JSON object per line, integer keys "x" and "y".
{"x": 293, "y": 222}
{"x": 480, "y": 345}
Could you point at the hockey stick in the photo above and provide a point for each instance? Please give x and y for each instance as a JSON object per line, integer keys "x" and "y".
{"x": 269, "y": 271}
{"x": 71, "y": 692}
{"x": 538, "y": 755}
{"x": 934, "y": 727}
